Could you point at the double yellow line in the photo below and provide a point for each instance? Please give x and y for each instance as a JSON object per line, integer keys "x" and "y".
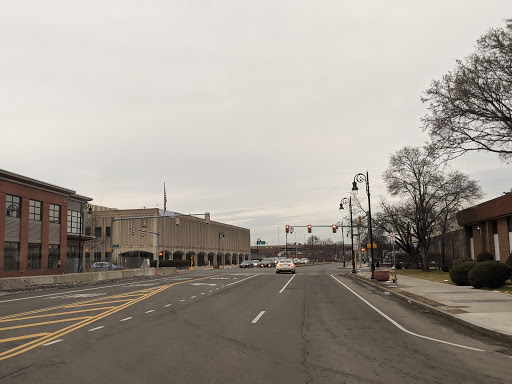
{"x": 47, "y": 337}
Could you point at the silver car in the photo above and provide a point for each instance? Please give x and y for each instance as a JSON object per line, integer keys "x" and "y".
{"x": 285, "y": 265}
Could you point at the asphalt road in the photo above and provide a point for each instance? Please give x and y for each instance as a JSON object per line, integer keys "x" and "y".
{"x": 238, "y": 326}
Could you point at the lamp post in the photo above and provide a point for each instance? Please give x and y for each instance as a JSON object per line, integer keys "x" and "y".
{"x": 361, "y": 178}
{"x": 349, "y": 202}
{"x": 218, "y": 253}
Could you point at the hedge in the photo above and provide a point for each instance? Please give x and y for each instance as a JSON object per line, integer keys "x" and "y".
{"x": 490, "y": 274}
{"x": 459, "y": 273}
{"x": 460, "y": 261}
{"x": 486, "y": 256}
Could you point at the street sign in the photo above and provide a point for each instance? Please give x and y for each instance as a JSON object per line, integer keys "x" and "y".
{"x": 261, "y": 242}
{"x": 115, "y": 245}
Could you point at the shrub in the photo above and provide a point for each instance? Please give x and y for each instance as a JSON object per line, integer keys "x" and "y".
{"x": 486, "y": 256}
{"x": 490, "y": 274}
{"x": 509, "y": 260}
{"x": 459, "y": 273}
{"x": 461, "y": 260}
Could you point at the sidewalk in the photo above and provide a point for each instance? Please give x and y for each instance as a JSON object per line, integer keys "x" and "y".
{"x": 488, "y": 312}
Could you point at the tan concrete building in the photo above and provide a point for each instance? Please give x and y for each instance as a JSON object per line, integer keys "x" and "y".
{"x": 135, "y": 235}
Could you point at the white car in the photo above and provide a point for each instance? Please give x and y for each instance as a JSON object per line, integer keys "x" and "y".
{"x": 285, "y": 265}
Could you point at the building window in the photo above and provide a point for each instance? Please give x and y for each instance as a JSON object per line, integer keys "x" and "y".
{"x": 55, "y": 213}
{"x": 12, "y": 206}
{"x": 495, "y": 227}
{"x": 107, "y": 231}
{"x": 34, "y": 256}
{"x": 509, "y": 222}
{"x": 74, "y": 222}
{"x": 34, "y": 210}
{"x": 97, "y": 231}
{"x": 87, "y": 231}
{"x": 54, "y": 256}
{"x": 73, "y": 252}
{"x": 97, "y": 256}
{"x": 11, "y": 256}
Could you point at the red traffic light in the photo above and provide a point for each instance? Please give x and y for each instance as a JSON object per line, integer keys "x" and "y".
{"x": 287, "y": 228}
{"x": 309, "y": 228}
{"x": 334, "y": 228}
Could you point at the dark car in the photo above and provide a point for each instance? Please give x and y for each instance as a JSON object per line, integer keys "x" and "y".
{"x": 268, "y": 263}
{"x": 247, "y": 264}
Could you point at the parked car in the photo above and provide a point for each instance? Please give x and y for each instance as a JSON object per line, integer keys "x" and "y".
{"x": 100, "y": 265}
{"x": 247, "y": 264}
{"x": 285, "y": 265}
{"x": 268, "y": 263}
{"x": 104, "y": 265}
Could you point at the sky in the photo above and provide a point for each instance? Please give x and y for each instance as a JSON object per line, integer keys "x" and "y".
{"x": 260, "y": 112}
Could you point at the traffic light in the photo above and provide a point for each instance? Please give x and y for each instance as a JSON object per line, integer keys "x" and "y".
{"x": 309, "y": 228}
{"x": 160, "y": 254}
{"x": 287, "y": 228}
{"x": 334, "y": 228}
{"x": 143, "y": 232}
{"x": 133, "y": 231}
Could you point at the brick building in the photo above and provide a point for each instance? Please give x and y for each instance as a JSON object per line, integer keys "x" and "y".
{"x": 41, "y": 228}
{"x": 488, "y": 227}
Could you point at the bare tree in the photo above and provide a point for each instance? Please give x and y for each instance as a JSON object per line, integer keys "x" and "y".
{"x": 470, "y": 108}
{"x": 428, "y": 192}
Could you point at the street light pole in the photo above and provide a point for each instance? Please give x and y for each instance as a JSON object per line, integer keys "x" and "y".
{"x": 349, "y": 201}
{"x": 361, "y": 178}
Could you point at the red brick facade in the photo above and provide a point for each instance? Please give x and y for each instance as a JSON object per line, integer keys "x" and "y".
{"x": 487, "y": 227}
{"x": 29, "y": 189}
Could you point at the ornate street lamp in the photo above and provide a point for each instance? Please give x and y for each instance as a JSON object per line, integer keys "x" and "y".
{"x": 349, "y": 202}
{"x": 361, "y": 178}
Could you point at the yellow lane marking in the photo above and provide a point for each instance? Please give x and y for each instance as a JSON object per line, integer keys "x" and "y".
{"x": 87, "y": 321}
{"x": 24, "y": 337}
{"x": 44, "y": 323}
{"x": 56, "y": 314}
{"x": 81, "y": 303}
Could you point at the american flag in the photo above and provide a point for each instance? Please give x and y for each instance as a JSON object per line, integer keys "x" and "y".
{"x": 165, "y": 200}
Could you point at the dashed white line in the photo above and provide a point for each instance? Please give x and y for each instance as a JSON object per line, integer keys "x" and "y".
{"x": 193, "y": 297}
{"x": 202, "y": 293}
{"x": 289, "y": 281}
{"x": 95, "y": 329}
{"x": 128, "y": 318}
{"x": 182, "y": 300}
{"x": 52, "y": 342}
{"x": 151, "y": 310}
{"x": 210, "y": 290}
{"x": 168, "y": 305}
{"x": 257, "y": 317}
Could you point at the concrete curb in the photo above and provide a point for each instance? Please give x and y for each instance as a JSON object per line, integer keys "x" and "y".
{"x": 484, "y": 331}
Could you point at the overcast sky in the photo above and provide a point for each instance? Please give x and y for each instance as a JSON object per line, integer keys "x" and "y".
{"x": 260, "y": 112}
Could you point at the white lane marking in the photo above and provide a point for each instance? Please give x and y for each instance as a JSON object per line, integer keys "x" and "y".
{"x": 151, "y": 310}
{"x": 128, "y": 318}
{"x": 193, "y": 297}
{"x": 95, "y": 329}
{"x": 211, "y": 290}
{"x": 52, "y": 342}
{"x": 168, "y": 305}
{"x": 182, "y": 300}
{"x": 257, "y": 317}
{"x": 76, "y": 296}
{"x": 202, "y": 293}
{"x": 289, "y": 281}
{"x": 239, "y": 281}
{"x": 402, "y": 328}
{"x": 211, "y": 285}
